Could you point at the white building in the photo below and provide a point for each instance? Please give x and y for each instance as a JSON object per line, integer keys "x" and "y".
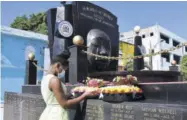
{"x": 158, "y": 38}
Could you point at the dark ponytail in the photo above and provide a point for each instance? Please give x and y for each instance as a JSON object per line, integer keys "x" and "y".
{"x": 62, "y": 58}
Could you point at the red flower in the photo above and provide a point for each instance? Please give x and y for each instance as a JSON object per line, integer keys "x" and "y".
{"x": 92, "y": 83}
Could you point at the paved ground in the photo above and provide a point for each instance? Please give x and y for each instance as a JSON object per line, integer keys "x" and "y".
{"x": 1, "y": 111}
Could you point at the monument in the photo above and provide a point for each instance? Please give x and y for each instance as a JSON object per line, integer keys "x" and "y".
{"x": 97, "y": 26}
{"x": 138, "y": 50}
{"x": 99, "y": 30}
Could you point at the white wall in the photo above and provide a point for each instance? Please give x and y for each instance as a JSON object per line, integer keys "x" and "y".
{"x": 47, "y": 60}
{"x": 152, "y": 42}
{"x": 15, "y": 46}
{"x": 155, "y": 42}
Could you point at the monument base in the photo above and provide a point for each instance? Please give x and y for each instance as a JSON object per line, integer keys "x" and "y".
{"x": 164, "y": 101}
{"x": 167, "y": 92}
{"x": 143, "y": 76}
{"x": 36, "y": 89}
{"x": 31, "y": 89}
{"x": 99, "y": 110}
{"x": 30, "y": 106}
{"x": 161, "y": 91}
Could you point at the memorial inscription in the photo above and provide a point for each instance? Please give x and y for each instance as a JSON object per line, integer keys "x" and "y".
{"x": 121, "y": 112}
{"x": 134, "y": 111}
{"x": 96, "y": 15}
{"x": 94, "y": 112}
{"x": 160, "y": 113}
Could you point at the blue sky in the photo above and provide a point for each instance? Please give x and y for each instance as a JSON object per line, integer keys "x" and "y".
{"x": 170, "y": 15}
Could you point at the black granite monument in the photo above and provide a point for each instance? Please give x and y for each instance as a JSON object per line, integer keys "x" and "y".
{"x": 138, "y": 63}
{"x": 31, "y": 72}
{"x": 100, "y": 30}
{"x": 98, "y": 27}
{"x": 60, "y": 31}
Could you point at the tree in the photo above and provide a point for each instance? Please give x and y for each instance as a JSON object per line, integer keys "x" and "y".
{"x": 35, "y": 23}
{"x": 129, "y": 66}
{"x": 21, "y": 23}
{"x": 183, "y": 67}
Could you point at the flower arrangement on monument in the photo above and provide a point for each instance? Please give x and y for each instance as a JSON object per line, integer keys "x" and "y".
{"x": 94, "y": 82}
{"x": 120, "y": 89}
{"x": 128, "y": 80}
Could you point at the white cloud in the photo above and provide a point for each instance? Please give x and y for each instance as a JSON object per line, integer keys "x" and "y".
{"x": 5, "y": 62}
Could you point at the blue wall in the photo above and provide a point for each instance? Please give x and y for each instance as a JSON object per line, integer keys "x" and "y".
{"x": 13, "y": 56}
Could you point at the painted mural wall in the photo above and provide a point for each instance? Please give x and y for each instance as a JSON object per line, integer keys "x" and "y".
{"x": 15, "y": 46}
{"x": 127, "y": 50}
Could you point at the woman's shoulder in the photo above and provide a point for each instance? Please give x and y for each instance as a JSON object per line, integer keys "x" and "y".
{"x": 48, "y": 76}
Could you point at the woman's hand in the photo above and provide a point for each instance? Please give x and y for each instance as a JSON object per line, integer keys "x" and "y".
{"x": 90, "y": 93}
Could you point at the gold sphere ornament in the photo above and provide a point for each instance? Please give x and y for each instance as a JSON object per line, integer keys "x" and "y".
{"x": 78, "y": 40}
{"x": 31, "y": 56}
{"x": 173, "y": 62}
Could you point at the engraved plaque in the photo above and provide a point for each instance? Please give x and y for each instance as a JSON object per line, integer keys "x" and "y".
{"x": 135, "y": 111}
{"x": 30, "y": 107}
{"x": 120, "y": 111}
{"x": 153, "y": 112}
{"x": 94, "y": 112}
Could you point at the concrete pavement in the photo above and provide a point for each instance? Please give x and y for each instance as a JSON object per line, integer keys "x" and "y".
{"x": 1, "y": 111}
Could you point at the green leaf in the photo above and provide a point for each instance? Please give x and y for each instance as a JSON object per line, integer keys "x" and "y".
{"x": 183, "y": 67}
{"x": 35, "y": 23}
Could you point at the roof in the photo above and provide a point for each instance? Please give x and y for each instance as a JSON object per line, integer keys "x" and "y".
{"x": 161, "y": 29}
{"x": 23, "y": 33}
{"x": 171, "y": 34}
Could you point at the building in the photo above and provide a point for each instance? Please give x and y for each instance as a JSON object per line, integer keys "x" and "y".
{"x": 157, "y": 38}
{"x": 15, "y": 47}
{"x": 125, "y": 49}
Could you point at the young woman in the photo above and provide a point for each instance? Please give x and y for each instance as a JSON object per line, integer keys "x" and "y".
{"x": 54, "y": 91}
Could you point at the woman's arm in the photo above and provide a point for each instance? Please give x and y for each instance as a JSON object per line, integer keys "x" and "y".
{"x": 55, "y": 87}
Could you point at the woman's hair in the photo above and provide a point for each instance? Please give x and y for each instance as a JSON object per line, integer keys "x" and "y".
{"x": 62, "y": 58}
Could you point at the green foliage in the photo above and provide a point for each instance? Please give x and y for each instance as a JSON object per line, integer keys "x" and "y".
{"x": 129, "y": 66}
{"x": 21, "y": 23}
{"x": 183, "y": 67}
{"x": 35, "y": 23}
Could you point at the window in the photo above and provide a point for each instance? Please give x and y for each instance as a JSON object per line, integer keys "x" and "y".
{"x": 185, "y": 49}
{"x": 175, "y": 43}
{"x": 177, "y": 58}
{"x": 143, "y": 36}
{"x": 151, "y": 34}
{"x": 167, "y": 56}
{"x": 165, "y": 38}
